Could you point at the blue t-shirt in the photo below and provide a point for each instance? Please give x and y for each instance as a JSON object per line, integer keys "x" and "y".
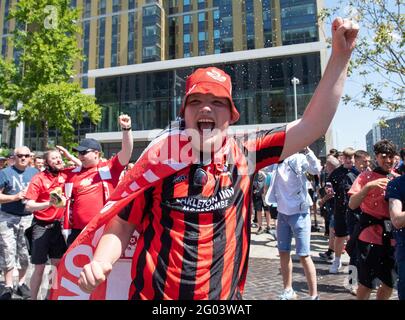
{"x": 396, "y": 190}
{"x": 12, "y": 181}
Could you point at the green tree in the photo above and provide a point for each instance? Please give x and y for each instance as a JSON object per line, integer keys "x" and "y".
{"x": 45, "y": 38}
{"x": 379, "y": 57}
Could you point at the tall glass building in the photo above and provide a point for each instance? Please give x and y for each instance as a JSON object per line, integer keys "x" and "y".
{"x": 139, "y": 53}
{"x": 394, "y": 131}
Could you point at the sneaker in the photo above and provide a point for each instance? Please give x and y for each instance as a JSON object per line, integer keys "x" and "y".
{"x": 288, "y": 295}
{"x": 7, "y": 293}
{"x": 352, "y": 290}
{"x": 272, "y": 232}
{"x": 335, "y": 267}
{"x": 260, "y": 230}
{"x": 254, "y": 225}
{"x": 23, "y": 291}
{"x": 328, "y": 256}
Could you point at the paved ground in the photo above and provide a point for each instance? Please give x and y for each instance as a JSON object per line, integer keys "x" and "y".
{"x": 264, "y": 281}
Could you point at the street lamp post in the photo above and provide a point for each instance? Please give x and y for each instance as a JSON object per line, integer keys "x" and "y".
{"x": 295, "y": 81}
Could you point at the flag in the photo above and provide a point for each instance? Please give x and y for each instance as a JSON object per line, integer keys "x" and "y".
{"x": 168, "y": 153}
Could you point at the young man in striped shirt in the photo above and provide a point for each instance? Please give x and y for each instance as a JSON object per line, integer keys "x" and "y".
{"x": 194, "y": 224}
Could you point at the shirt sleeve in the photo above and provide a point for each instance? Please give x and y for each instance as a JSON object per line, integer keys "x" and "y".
{"x": 393, "y": 190}
{"x": 264, "y": 147}
{"x": 314, "y": 165}
{"x": 115, "y": 166}
{"x": 3, "y": 179}
{"x": 136, "y": 210}
{"x": 357, "y": 185}
{"x": 34, "y": 189}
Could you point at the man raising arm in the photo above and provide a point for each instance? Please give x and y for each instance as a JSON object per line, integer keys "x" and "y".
{"x": 323, "y": 105}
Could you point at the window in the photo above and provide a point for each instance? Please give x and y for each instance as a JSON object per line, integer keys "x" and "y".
{"x": 87, "y": 9}
{"x": 149, "y": 11}
{"x": 149, "y": 31}
{"x": 101, "y": 7}
{"x": 186, "y": 38}
{"x": 187, "y": 19}
{"x": 131, "y": 4}
{"x": 116, "y": 5}
{"x": 149, "y": 51}
{"x": 201, "y": 36}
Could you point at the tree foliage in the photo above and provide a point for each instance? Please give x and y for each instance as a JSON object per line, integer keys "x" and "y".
{"x": 379, "y": 57}
{"x": 45, "y": 38}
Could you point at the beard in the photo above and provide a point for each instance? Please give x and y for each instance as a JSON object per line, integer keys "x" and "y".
{"x": 52, "y": 170}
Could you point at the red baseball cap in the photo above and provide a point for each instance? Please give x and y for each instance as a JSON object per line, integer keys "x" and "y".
{"x": 210, "y": 80}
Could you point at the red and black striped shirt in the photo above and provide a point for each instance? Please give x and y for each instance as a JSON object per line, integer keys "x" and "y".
{"x": 194, "y": 242}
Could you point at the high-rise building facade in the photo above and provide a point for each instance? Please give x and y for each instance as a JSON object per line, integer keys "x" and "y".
{"x": 394, "y": 130}
{"x": 139, "y": 53}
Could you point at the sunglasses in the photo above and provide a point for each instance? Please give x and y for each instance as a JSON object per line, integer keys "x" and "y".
{"x": 200, "y": 178}
{"x": 23, "y": 155}
{"x": 84, "y": 152}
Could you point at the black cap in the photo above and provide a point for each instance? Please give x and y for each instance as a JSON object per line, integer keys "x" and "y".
{"x": 87, "y": 144}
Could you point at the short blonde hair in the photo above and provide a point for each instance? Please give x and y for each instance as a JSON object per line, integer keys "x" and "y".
{"x": 349, "y": 152}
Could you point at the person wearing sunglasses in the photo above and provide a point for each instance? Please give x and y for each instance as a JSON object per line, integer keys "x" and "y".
{"x": 94, "y": 180}
{"x": 195, "y": 223}
{"x": 14, "y": 220}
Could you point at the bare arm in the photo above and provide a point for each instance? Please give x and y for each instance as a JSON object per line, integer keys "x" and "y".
{"x": 323, "y": 105}
{"x": 397, "y": 213}
{"x": 69, "y": 156}
{"x": 357, "y": 198}
{"x": 32, "y": 205}
{"x": 6, "y": 198}
{"x": 124, "y": 155}
{"x": 114, "y": 240}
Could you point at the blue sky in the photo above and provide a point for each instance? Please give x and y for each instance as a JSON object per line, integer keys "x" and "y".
{"x": 351, "y": 124}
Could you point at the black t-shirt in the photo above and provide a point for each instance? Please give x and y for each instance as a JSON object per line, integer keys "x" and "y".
{"x": 350, "y": 177}
{"x": 341, "y": 186}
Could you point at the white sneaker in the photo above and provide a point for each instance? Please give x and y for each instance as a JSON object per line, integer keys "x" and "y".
{"x": 288, "y": 295}
{"x": 335, "y": 267}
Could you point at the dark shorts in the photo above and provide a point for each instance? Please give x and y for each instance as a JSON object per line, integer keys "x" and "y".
{"x": 73, "y": 235}
{"x": 351, "y": 220}
{"x": 47, "y": 242}
{"x": 374, "y": 262}
{"x": 340, "y": 225}
{"x": 273, "y": 212}
{"x": 258, "y": 204}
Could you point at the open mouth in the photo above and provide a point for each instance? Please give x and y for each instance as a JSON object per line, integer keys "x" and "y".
{"x": 206, "y": 125}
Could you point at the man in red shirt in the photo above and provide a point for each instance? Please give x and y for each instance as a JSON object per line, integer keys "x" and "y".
{"x": 194, "y": 241}
{"x": 89, "y": 186}
{"x": 47, "y": 239}
{"x": 374, "y": 244}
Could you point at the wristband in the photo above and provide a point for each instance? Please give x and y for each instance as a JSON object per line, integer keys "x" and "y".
{"x": 126, "y": 129}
